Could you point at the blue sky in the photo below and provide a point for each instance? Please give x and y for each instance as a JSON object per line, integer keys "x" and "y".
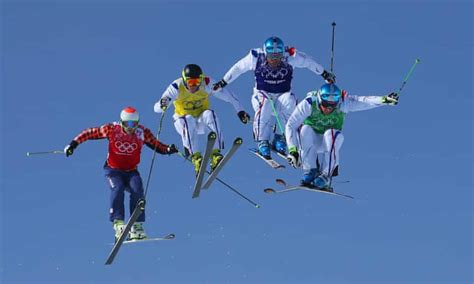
{"x": 69, "y": 65}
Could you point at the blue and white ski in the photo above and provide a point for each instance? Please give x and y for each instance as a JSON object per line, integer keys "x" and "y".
{"x": 272, "y": 163}
{"x": 118, "y": 243}
{"x": 288, "y": 188}
{"x": 279, "y": 154}
{"x": 211, "y": 138}
{"x": 237, "y": 142}
{"x": 164, "y": 238}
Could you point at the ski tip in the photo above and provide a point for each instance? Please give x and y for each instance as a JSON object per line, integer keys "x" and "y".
{"x": 257, "y": 206}
{"x": 280, "y": 181}
{"x": 238, "y": 140}
{"x": 269, "y": 190}
{"x": 212, "y": 135}
{"x": 170, "y": 236}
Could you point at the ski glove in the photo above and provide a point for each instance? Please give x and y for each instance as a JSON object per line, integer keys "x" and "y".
{"x": 219, "y": 85}
{"x": 243, "y": 116}
{"x": 391, "y": 99}
{"x": 164, "y": 102}
{"x": 328, "y": 77}
{"x": 69, "y": 149}
{"x": 294, "y": 158}
{"x": 171, "y": 149}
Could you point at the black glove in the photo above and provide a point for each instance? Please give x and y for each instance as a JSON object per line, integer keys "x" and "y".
{"x": 243, "y": 116}
{"x": 164, "y": 102}
{"x": 69, "y": 149}
{"x": 219, "y": 85}
{"x": 329, "y": 77}
{"x": 294, "y": 158}
{"x": 171, "y": 149}
{"x": 391, "y": 99}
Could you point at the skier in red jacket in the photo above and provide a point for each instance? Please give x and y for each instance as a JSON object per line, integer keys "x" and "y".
{"x": 126, "y": 139}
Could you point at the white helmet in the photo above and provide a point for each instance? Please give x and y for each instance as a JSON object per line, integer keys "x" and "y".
{"x": 129, "y": 118}
{"x": 129, "y": 114}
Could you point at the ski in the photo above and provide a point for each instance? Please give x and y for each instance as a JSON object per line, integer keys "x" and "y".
{"x": 272, "y": 163}
{"x": 136, "y": 213}
{"x": 288, "y": 188}
{"x": 211, "y": 138}
{"x": 279, "y": 154}
{"x": 237, "y": 142}
{"x": 164, "y": 238}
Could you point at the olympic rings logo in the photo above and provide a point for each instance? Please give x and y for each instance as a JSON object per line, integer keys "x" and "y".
{"x": 279, "y": 73}
{"x": 327, "y": 121}
{"x": 192, "y": 105}
{"x": 126, "y": 147}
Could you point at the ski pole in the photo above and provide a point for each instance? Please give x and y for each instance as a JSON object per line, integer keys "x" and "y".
{"x": 408, "y": 75}
{"x": 154, "y": 152}
{"x": 46, "y": 152}
{"x": 227, "y": 185}
{"x": 276, "y": 116}
{"x": 332, "y": 47}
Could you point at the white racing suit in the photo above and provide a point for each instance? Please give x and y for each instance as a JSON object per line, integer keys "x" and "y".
{"x": 313, "y": 132}
{"x": 272, "y": 86}
{"x": 192, "y": 113}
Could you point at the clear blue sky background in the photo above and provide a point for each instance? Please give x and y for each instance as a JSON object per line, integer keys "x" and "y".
{"x": 69, "y": 65}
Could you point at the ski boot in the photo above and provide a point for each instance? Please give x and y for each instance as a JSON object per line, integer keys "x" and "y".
{"x": 264, "y": 149}
{"x": 322, "y": 182}
{"x": 137, "y": 232}
{"x": 279, "y": 144}
{"x": 119, "y": 226}
{"x": 308, "y": 178}
{"x": 216, "y": 158}
{"x": 196, "y": 159}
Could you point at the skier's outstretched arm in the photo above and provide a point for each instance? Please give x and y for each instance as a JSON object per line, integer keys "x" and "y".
{"x": 156, "y": 145}
{"x": 353, "y": 103}
{"x": 229, "y": 97}
{"x": 168, "y": 97}
{"x": 245, "y": 64}
{"x": 302, "y": 60}
{"x": 92, "y": 133}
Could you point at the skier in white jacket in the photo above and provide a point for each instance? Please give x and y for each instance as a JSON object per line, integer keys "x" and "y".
{"x": 193, "y": 116}
{"x": 272, "y": 98}
{"x": 315, "y": 127}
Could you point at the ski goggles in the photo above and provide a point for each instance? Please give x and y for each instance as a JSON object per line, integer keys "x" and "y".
{"x": 274, "y": 49}
{"x": 130, "y": 124}
{"x": 330, "y": 97}
{"x": 193, "y": 82}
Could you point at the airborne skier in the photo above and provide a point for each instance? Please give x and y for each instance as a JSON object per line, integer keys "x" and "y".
{"x": 193, "y": 116}
{"x": 272, "y": 97}
{"x": 126, "y": 139}
{"x": 317, "y": 121}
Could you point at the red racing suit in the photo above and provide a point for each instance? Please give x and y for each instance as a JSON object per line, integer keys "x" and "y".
{"x": 124, "y": 149}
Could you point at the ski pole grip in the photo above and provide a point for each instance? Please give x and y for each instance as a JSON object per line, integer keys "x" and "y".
{"x": 141, "y": 204}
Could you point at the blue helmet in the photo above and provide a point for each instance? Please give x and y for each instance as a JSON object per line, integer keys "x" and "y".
{"x": 329, "y": 95}
{"x": 274, "y": 46}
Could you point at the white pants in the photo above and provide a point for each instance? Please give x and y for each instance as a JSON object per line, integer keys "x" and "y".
{"x": 189, "y": 127}
{"x": 327, "y": 144}
{"x": 264, "y": 118}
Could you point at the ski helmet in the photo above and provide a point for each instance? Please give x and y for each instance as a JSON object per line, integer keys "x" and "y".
{"x": 329, "y": 95}
{"x": 192, "y": 75}
{"x": 274, "y": 47}
{"x": 129, "y": 118}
